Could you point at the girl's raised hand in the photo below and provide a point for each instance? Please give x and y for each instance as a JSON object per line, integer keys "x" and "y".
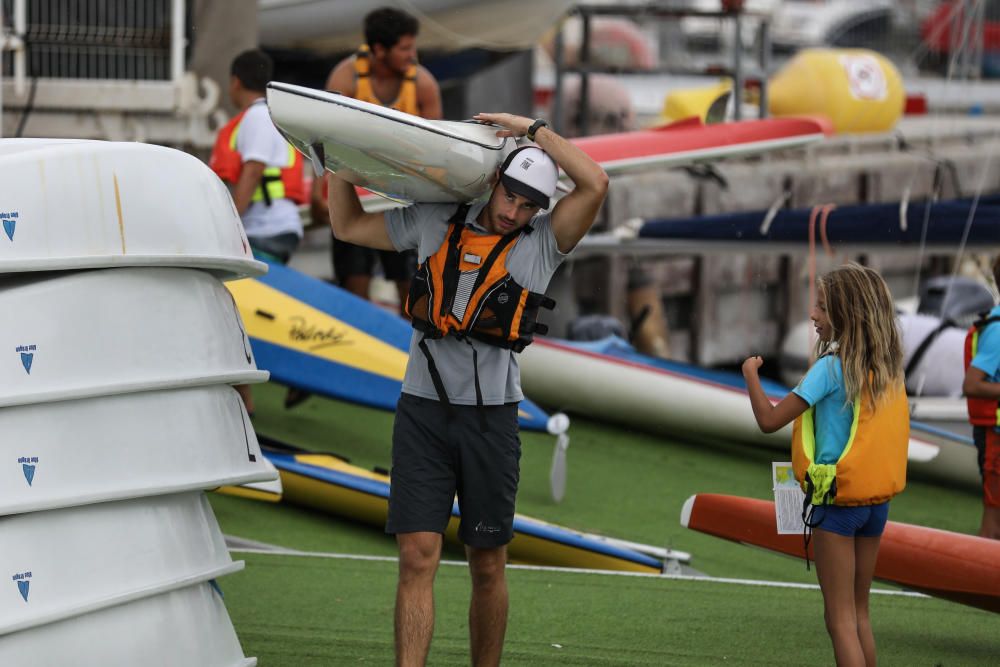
{"x": 751, "y": 365}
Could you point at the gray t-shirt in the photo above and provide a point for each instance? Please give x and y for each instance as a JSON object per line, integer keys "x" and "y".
{"x": 531, "y": 263}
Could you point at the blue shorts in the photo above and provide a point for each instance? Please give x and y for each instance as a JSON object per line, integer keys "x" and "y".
{"x": 859, "y": 521}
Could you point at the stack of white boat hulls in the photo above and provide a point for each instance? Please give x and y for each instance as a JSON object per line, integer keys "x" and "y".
{"x": 118, "y": 348}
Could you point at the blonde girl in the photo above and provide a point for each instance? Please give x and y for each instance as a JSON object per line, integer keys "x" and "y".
{"x": 849, "y": 443}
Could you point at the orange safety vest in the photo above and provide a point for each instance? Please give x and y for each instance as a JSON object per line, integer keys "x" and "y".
{"x": 872, "y": 467}
{"x": 982, "y": 411}
{"x": 406, "y": 100}
{"x": 276, "y": 183}
{"x": 464, "y": 290}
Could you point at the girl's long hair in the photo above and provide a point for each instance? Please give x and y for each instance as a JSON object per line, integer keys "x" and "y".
{"x": 865, "y": 330}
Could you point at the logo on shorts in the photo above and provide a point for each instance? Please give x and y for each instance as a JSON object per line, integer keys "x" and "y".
{"x": 503, "y": 297}
{"x": 483, "y": 528}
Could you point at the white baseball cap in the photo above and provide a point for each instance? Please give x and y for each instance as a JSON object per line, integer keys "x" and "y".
{"x": 531, "y": 173}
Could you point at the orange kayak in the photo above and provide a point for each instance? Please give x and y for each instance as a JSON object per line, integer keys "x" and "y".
{"x": 952, "y": 566}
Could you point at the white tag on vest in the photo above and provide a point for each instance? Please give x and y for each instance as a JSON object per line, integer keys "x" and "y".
{"x": 472, "y": 259}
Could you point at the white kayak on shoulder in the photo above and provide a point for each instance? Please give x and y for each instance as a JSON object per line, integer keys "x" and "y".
{"x": 94, "y": 204}
{"x": 74, "y": 561}
{"x": 69, "y": 453}
{"x": 391, "y": 153}
{"x": 115, "y": 331}
{"x": 188, "y": 626}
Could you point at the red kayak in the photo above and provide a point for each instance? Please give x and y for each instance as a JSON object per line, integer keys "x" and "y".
{"x": 953, "y": 566}
{"x": 688, "y": 141}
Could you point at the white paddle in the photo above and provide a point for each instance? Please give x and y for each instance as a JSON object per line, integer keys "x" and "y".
{"x": 557, "y": 425}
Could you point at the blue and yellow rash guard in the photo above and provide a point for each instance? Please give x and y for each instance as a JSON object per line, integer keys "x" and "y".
{"x": 823, "y": 387}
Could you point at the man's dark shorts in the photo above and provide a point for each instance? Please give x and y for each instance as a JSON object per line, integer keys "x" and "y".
{"x": 435, "y": 456}
{"x": 354, "y": 260}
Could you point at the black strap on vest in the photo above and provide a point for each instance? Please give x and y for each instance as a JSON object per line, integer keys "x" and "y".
{"x": 984, "y": 321}
{"x": 809, "y": 512}
{"x": 449, "y": 278}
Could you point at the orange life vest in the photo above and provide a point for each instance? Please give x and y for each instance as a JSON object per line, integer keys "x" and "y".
{"x": 872, "y": 467}
{"x": 464, "y": 290}
{"x": 406, "y": 100}
{"x": 982, "y": 411}
{"x": 276, "y": 183}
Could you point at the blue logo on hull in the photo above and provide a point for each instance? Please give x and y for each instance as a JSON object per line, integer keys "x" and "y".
{"x": 28, "y": 467}
{"x": 23, "y": 584}
{"x": 27, "y": 353}
{"x": 8, "y": 226}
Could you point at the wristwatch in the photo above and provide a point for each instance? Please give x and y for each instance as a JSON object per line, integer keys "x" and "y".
{"x": 535, "y": 127}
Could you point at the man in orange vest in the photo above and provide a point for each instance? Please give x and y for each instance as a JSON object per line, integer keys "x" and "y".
{"x": 487, "y": 265}
{"x": 383, "y": 71}
{"x": 982, "y": 391}
{"x": 263, "y": 172}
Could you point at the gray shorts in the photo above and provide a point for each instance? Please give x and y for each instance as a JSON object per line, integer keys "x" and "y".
{"x": 435, "y": 457}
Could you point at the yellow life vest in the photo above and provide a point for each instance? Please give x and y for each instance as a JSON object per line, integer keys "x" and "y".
{"x": 406, "y": 100}
{"x": 872, "y": 467}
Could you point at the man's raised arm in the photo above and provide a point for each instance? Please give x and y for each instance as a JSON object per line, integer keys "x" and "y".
{"x": 575, "y": 213}
{"x": 349, "y": 221}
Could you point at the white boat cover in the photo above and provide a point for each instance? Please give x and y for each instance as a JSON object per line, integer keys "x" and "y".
{"x": 112, "y": 331}
{"x": 95, "y": 204}
{"x": 91, "y": 450}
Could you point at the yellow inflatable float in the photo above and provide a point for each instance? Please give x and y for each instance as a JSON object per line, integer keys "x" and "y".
{"x": 707, "y": 103}
{"x": 859, "y": 90}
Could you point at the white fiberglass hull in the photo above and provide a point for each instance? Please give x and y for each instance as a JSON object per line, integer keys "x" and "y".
{"x": 445, "y": 25}
{"x": 92, "y": 450}
{"x": 64, "y": 563}
{"x": 187, "y": 627}
{"x": 392, "y": 153}
{"x": 669, "y": 404}
{"x": 97, "y": 204}
{"x": 650, "y": 399}
{"x": 113, "y": 331}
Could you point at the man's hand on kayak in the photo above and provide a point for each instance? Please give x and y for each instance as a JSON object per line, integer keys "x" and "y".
{"x": 514, "y": 126}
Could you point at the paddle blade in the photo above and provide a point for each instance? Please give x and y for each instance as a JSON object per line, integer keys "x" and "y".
{"x": 557, "y": 476}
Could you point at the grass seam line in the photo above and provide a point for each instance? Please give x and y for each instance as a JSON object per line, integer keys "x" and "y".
{"x": 574, "y": 570}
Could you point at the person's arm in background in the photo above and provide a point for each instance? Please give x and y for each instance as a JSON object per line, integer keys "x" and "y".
{"x": 341, "y": 78}
{"x": 770, "y": 418}
{"x": 428, "y": 95}
{"x": 575, "y": 213}
{"x": 250, "y": 178}
{"x": 350, "y": 222}
{"x": 977, "y": 385}
{"x": 319, "y": 211}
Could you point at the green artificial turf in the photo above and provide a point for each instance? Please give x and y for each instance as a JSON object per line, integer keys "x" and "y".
{"x": 305, "y": 611}
{"x": 623, "y": 484}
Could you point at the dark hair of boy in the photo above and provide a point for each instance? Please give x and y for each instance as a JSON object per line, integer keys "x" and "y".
{"x": 254, "y": 69}
{"x": 385, "y": 26}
